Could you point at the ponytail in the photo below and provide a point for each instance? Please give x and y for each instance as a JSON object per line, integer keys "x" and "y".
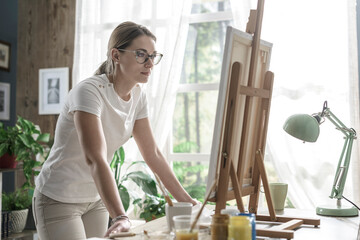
{"x": 102, "y": 69}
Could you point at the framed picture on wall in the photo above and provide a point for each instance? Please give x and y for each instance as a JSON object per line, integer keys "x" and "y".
{"x": 4, "y": 56}
{"x": 4, "y": 101}
{"x": 53, "y": 88}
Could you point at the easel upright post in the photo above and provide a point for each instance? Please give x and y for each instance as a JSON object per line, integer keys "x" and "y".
{"x": 226, "y": 165}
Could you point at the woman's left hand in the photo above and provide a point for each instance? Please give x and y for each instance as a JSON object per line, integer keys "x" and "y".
{"x": 195, "y": 202}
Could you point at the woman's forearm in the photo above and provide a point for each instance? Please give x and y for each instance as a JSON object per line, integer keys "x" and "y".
{"x": 107, "y": 188}
{"x": 161, "y": 167}
{"x": 93, "y": 142}
{"x": 176, "y": 189}
{"x": 156, "y": 161}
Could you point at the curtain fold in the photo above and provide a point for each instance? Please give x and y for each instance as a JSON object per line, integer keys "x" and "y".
{"x": 162, "y": 89}
{"x": 167, "y": 19}
{"x": 241, "y": 12}
{"x": 354, "y": 99}
{"x": 313, "y": 59}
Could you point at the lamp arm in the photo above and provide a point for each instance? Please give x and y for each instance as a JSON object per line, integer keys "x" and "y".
{"x": 344, "y": 161}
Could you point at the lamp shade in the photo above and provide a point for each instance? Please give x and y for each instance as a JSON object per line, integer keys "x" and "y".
{"x": 303, "y": 127}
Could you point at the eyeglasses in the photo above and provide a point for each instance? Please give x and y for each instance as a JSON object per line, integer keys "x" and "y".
{"x": 142, "y": 56}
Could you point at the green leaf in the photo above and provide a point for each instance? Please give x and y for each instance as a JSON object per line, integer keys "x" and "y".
{"x": 3, "y": 148}
{"x": 122, "y": 155}
{"x": 144, "y": 181}
{"x": 25, "y": 140}
{"x": 4, "y": 135}
{"x": 44, "y": 137}
{"x": 137, "y": 201}
{"x": 18, "y": 200}
{"x": 125, "y": 197}
{"x": 147, "y": 216}
{"x": 37, "y": 164}
{"x": 115, "y": 161}
{"x": 118, "y": 158}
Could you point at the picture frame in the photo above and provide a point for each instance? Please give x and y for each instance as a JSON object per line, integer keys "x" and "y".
{"x": 4, "y": 56}
{"x": 53, "y": 88}
{"x": 4, "y": 101}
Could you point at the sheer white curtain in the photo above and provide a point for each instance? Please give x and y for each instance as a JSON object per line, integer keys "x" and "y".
{"x": 313, "y": 59}
{"x": 167, "y": 19}
{"x": 354, "y": 97}
{"x": 241, "y": 11}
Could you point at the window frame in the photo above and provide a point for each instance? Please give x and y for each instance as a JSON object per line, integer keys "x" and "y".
{"x": 195, "y": 87}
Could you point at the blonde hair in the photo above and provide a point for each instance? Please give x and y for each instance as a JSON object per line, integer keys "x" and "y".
{"x": 122, "y": 37}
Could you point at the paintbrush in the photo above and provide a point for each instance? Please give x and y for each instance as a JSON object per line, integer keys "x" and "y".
{"x": 202, "y": 207}
{"x": 162, "y": 189}
{"x": 121, "y": 234}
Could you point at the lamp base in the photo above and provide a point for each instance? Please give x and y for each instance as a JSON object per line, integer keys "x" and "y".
{"x": 337, "y": 211}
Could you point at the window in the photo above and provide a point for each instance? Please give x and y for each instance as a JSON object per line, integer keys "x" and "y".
{"x": 196, "y": 100}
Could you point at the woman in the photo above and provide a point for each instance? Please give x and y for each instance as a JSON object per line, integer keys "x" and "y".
{"x": 76, "y": 190}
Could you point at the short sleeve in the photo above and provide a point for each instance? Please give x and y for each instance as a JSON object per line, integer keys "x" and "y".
{"x": 142, "y": 111}
{"x": 85, "y": 97}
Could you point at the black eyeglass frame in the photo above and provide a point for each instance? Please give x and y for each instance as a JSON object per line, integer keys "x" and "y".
{"x": 149, "y": 56}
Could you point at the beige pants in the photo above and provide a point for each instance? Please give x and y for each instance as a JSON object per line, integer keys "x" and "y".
{"x": 71, "y": 221}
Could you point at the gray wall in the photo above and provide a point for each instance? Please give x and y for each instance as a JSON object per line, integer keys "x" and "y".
{"x": 8, "y": 33}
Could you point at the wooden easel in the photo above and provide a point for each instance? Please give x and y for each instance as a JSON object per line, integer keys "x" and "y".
{"x": 241, "y": 184}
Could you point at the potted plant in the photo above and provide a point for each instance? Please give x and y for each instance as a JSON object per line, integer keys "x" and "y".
{"x": 141, "y": 179}
{"x": 23, "y": 142}
{"x": 152, "y": 205}
{"x": 16, "y": 206}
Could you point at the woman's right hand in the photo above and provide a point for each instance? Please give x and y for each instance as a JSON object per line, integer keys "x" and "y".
{"x": 121, "y": 225}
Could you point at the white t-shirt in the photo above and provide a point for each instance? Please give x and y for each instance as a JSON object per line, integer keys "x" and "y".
{"x": 65, "y": 175}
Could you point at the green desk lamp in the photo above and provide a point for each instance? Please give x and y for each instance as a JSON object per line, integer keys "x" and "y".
{"x": 306, "y": 128}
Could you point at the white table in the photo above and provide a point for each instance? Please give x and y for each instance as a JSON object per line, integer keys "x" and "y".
{"x": 331, "y": 228}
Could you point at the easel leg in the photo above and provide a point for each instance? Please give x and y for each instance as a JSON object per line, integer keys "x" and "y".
{"x": 261, "y": 124}
{"x": 236, "y": 186}
{"x": 260, "y": 164}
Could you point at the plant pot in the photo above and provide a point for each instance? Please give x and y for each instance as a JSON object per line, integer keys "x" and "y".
{"x": 18, "y": 220}
{"x": 8, "y": 161}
